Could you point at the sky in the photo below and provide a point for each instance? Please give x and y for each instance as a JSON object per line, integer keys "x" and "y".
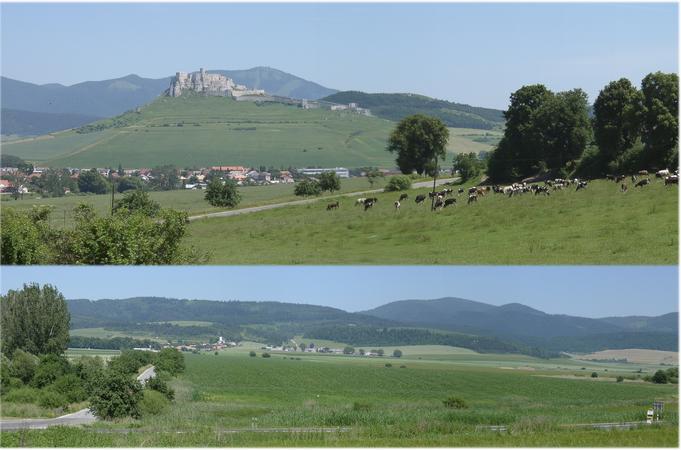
{"x": 587, "y": 291}
{"x": 470, "y": 53}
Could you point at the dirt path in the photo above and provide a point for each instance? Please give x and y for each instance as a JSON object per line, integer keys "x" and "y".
{"x": 254, "y": 209}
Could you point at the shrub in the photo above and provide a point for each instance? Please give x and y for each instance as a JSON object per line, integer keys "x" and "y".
{"x": 23, "y": 395}
{"x": 307, "y": 187}
{"x": 403, "y": 367}
{"x": 388, "y": 365}
{"x": 23, "y": 366}
{"x": 265, "y": 355}
{"x": 455, "y": 403}
{"x": 158, "y": 384}
{"x": 398, "y": 183}
{"x": 223, "y": 194}
{"x": 620, "y": 379}
{"x": 170, "y": 360}
{"x": 251, "y": 353}
{"x": 216, "y": 353}
{"x": 138, "y": 201}
{"x": 397, "y": 353}
{"x": 49, "y": 369}
{"x": 116, "y": 396}
{"x": 660, "y": 377}
{"x": 152, "y": 402}
{"x": 71, "y": 387}
{"x": 594, "y": 375}
{"x": 52, "y": 399}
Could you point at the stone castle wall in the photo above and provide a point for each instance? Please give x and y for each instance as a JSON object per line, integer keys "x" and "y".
{"x": 209, "y": 84}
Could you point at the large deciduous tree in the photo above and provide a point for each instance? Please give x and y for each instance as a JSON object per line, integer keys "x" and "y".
{"x": 92, "y": 181}
{"x": 223, "y": 193}
{"x": 329, "y": 181}
{"x": 661, "y": 122}
{"x": 419, "y": 142}
{"x": 34, "y": 319}
{"x": 618, "y": 117}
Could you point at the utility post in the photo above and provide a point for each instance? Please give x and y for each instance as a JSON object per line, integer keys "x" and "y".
{"x": 112, "y": 190}
{"x": 432, "y": 200}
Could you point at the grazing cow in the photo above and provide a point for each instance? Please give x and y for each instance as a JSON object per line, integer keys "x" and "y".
{"x": 450, "y": 201}
{"x": 480, "y": 192}
{"x": 472, "y": 198}
{"x": 620, "y": 178}
{"x": 420, "y": 199}
{"x": 397, "y": 205}
{"x": 472, "y": 190}
{"x": 368, "y": 204}
{"x": 460, "y": 191}
{"x": 643, "y": 182}
{"x": 371, "y": 200}
{"x": 360, "y": 201}
{"x": 403, "y": 197}
{"x": 610, "y": 177}
{"x": 439, "y": 204}
{"x": 581, "y": 185}
{"x": 623, "y": 187}
{"x": 671, "y": 179}
{"x": 634, "y": 178}
{"x": 333, "y": 205}
{"x": 662, "y": 173}
{"x": 542, "y": 190}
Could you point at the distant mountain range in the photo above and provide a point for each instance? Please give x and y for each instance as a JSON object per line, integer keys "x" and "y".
{"x": 63, "y": 107}
{"x": 451, "y": 321}
{"x": 108, "y": 98}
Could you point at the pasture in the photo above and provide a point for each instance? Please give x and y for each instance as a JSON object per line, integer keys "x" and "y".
{"x": 597, "y": 225}
{"x": 191, "y": 201}
{"x": 194, "y": 131}
{"x": 374, "y": 405}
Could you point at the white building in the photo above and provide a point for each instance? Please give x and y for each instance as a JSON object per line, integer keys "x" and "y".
{"x": 342, "y": 172}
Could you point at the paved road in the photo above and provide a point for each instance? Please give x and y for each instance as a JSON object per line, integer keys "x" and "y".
{"x": 253, "y": 209}
{"x": 82, "y": 417}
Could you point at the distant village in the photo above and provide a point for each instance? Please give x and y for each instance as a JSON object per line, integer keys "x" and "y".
{"x": 22, "y": 180}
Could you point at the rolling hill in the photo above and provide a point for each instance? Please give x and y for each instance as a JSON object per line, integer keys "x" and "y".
{"x": 556, "y": 332}
{"x": 27, "y": 123}
{"x": 397, "y": 106}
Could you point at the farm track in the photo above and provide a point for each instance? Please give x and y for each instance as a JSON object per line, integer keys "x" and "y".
{"x": 253, "y": 209}
{"x": 597, "y": 426}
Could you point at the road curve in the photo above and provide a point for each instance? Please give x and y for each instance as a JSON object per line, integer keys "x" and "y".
{"x": 253, "y": 209}
{"x": 82, "y": 417}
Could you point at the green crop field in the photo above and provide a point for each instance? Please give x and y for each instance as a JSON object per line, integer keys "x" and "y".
{"x": 599, "y": 225}
{"x": 193, "y": 131}
{"x": 374, "y": 405}
{"x": 191, "y": 201}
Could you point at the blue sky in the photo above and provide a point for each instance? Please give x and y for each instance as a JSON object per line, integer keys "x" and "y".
{"x": 590, "y": 291}
{"x": 470, "y": 53}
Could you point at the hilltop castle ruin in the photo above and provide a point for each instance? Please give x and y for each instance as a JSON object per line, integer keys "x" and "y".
{"x": 209, "y": 84}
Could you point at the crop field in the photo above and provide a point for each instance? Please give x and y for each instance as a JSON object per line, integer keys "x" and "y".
{"x": 599, "y": 225}
{"x": 191, "y": 201}
{"x": 635, "y": 355}
{"x": 196, "y": 131}
{"x": 75, "y": 353}
{"x": 372, "y": 404}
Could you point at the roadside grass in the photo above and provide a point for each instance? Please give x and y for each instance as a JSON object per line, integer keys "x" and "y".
{"x": 381, "y": 406}
{"x": 191, "y": 201}
{"x": 599, "y": 225}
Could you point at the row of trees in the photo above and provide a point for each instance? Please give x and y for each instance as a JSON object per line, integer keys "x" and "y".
{"x": 631, "y": 129}
{"x": 327, "y": 181}
{"x": 33, "y": 367}
{"x": 138, "y": 231}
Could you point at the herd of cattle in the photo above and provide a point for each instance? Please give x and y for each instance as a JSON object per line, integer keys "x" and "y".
{"x": 444, "y": 198}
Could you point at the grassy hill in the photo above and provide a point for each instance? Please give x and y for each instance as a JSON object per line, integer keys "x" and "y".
{"x": 599, "y": 225}
{"x": 197, "y": 131}
{"x": 23, "y": 123}
{"x": 397, "y": 106}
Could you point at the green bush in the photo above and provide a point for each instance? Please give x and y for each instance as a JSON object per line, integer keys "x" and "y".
{"x": 170, "y": 360}
{"x": 52, "y": 399}
{"x": 265, "y": 355}
{"x": 398, "y": 183}
{"x": 307, "y": 187}
{"x": 660, "y": 377}
{"x": 49, "y": 369}
{"x": 14, "y": 383}
{"x": 620, "y": 379}
{"x": 388, "y": 365}
{"x": 152, "y": 402}
{"x": 455, "y": 403}
{"x": 594, "y": 375}
{"x": 22, "y": 395}
{"x": 71, "y": 387}
{"x": 159, "y": 385}
{"x": 118, "y": 395}
{"x": 223, "y": 194}
{"x": 23, "y": 366}
{"x": 251, "y": 353}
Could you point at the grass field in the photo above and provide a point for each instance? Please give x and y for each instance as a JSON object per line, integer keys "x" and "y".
{"x": 635, "y": 355}
{"x": 599, "y": 225}
{"x": 216, "y": 131}
{"x": 382, "y": 406}
{"x": 191, "y": 201}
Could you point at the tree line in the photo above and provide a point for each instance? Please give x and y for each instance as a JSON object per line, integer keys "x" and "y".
{"x": 34, "y": 334}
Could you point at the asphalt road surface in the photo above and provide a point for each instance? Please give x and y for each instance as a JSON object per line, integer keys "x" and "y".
{"x": 82, "y": 417}
{"x": 253, "y": 209}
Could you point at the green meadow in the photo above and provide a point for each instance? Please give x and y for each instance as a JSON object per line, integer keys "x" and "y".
{"x": 194, "y": 131}
{"x": 598, "y": 225}
{"x": 191, "y": 201}
{"x": 222, "y": 400}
